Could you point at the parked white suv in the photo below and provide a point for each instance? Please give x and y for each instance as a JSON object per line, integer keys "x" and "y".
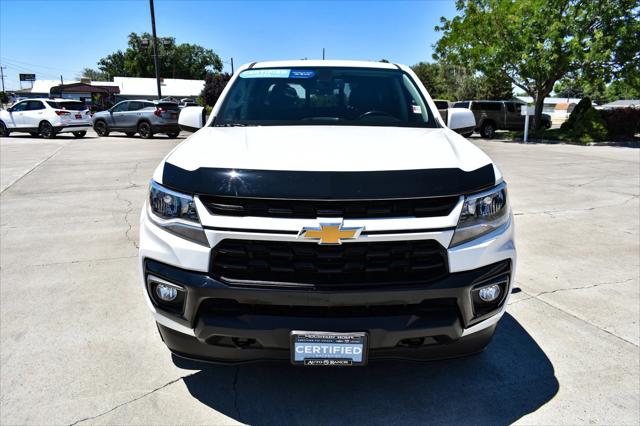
{"x": 46, "y": 118}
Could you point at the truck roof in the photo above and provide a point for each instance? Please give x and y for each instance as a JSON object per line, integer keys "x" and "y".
{"x": 320, "y": 63}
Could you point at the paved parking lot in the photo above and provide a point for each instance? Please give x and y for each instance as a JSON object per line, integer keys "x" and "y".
{"x": 78, "y": 345}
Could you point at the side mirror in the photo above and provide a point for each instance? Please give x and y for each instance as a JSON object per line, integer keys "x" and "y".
{"x": 10, "y": 109}
{"x": 461, "y": 120}
{"x": 192, "y": 118}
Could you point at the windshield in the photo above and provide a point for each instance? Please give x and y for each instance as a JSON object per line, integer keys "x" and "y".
{"x": 324, "y": 95}
{"x": 68, "y": 105}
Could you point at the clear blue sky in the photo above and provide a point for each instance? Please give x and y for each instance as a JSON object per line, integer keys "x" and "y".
{"x": 50, "y": 38}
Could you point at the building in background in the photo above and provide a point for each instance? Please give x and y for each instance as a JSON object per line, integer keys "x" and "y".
{"x": 106, "y": 93}
{"x": 558, "y": 108}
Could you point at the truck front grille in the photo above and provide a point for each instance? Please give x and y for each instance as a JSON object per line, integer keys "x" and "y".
{"x": 311, "y": 209}
{"x": 310, "y": 265}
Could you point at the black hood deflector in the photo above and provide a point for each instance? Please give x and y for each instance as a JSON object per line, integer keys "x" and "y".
{"x": 320, "y": 185}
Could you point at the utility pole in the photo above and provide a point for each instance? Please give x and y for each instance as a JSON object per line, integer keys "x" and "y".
{"x": 2, "y": 76}
{"x": 323, "y": 53}
{"x": 231, "y": 66}
{"x": 155, "y": 48}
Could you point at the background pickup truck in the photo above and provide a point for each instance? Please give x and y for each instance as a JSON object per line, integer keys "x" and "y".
{"x": 498, "y": 115}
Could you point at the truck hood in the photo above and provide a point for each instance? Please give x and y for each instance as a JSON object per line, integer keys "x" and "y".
{"x": 326, "y": 148}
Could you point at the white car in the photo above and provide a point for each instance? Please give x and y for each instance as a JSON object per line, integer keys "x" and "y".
{"x": 46, "y": 118}
{"x": 325, "y": 214}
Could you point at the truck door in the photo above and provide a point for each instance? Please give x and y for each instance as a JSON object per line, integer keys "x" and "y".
{"x": 514, "y": 120}
{"x": 16, "y": 115}
{"x": 33, "y": 115}
{"x": 117, "y": 115}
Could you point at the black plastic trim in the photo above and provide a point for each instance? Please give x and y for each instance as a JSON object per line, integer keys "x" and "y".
{"x": 328, "y": 185}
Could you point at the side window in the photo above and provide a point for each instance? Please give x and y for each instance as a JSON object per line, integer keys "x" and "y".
{"x": 511, "y": 108}
{"x": 490, "y": 106}
{"x": 122, "y": 106}
{"x": 21, "y": 106}
{"x": 135, "y": 106}
{"x": 34, "y": 106}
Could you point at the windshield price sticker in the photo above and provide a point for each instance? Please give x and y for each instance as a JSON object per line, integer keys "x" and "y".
{"x": 277, "y": 73}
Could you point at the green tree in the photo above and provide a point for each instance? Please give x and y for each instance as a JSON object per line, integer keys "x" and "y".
{"x": 456, "y": 83}
{"x": 534, "y": 43}
{"x": 94, "y": 75}
{"x": 624, "y": 88}
{"x": 494, "y": 88}
{"x": 621, "y": 88}
{"x": 189, "y": 61}
{"x": 214, "y": 84}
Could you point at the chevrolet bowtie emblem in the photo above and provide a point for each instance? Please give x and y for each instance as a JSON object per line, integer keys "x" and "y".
{"x": 330, "y": 233}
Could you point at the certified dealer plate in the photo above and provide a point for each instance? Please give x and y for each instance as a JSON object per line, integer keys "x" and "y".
{"x": 328, "y": 348}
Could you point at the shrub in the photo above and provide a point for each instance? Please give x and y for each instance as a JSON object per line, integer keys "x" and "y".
{"x": 213, "y": 86}
{"x": 622, "y": 122}
{"x": 585, "y": 123}
{"x": 577, "y": 113}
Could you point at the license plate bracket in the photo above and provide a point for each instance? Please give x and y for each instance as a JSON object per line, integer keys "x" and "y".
{"x": 328, "y": 348}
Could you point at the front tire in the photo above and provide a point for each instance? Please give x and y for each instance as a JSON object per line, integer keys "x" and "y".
{"x": 4, "y": 132}
{"x": 488, "y": 130}
{"x": 101, "y": 128}
{"x": 144, "y": 129}
{"x": 46, "y": 130}
{"x": 79, "y": 134}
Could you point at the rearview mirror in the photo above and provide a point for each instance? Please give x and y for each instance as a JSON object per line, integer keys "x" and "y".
{"x": 192, "y": 118}
{"x": 461, "y": 120}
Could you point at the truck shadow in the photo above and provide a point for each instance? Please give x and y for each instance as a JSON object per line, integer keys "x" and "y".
{"x": 511, "y": 378}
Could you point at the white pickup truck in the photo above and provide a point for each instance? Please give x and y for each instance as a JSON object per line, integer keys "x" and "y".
{"x": 325, "y": 214}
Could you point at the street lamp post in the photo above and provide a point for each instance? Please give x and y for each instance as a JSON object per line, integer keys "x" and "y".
{"x": 155, "y": 48}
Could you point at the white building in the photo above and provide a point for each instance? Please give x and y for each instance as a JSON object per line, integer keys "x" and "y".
{"x": 129, "y": 88}
{"x": 558, "y": 108}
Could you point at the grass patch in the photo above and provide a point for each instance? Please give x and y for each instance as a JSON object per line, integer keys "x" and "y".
{"x": 560, "y": 135}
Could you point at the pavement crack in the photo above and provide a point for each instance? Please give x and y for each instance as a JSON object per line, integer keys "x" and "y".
{"x": 129, "y": 207}
{"x": 131, "y": 400}
{"x": 537, "y": 295}
{"x": 235, "y": 394}
{"x": 33, "y": 168}
{"x": 552, "y": 213}
{"x": 551, "y": 305}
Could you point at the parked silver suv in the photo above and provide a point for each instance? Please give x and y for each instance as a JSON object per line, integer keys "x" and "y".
{"x": 498, "y": 115}
{"x": 138, "y": 116}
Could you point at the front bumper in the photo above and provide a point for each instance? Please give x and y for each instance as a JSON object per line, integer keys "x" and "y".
{"x": 225, "y": 323}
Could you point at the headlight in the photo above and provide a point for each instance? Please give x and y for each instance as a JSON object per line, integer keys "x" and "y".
{"x": 482, "y": 213}
{"x": 175, "y": 213}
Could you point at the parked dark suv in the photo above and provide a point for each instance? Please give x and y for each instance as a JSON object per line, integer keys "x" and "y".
{"x": 498, "y": 115}
{"x": 139, "y": 116}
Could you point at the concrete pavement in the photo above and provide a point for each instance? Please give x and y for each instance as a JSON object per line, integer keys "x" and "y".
{"x": 78, "y": 345}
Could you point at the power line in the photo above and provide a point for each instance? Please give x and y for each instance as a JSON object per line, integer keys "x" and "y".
{"x": 17, "y": 62}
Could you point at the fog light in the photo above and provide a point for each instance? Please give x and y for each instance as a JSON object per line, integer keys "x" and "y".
{"x": 489, "y": 293}
{"x": 166, "y": 293}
